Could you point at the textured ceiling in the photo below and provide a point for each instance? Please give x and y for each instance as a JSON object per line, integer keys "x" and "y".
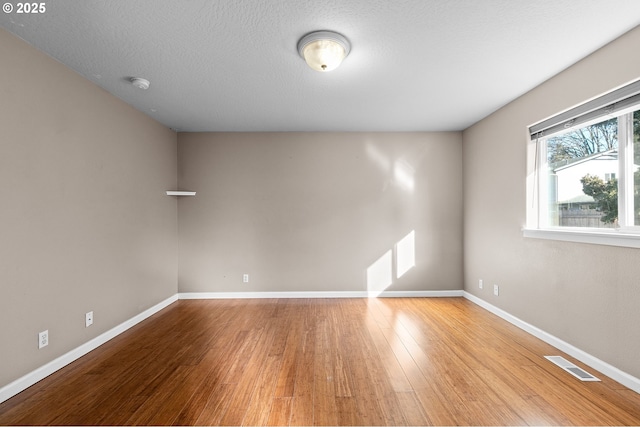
{"x": 232, "y": 65}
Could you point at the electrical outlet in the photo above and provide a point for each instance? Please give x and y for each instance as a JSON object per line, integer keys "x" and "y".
{"x": 480, "y": 285}
{"x": 496, "y": 290}
{"x": 245, "y": 278}
{"x": 88, "y": 319}
{"x": 43, "y": 339}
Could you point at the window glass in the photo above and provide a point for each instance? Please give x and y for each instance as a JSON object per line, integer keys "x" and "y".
{"x": 581, "y": 177}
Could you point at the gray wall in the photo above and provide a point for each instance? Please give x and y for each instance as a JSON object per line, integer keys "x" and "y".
{"x": 85, "y": 221}
{"x": 587, "y": 295}
{"x": 312, "y": 211}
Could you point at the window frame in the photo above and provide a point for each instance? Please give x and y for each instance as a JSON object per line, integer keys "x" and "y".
{"x": 627, "y": 234}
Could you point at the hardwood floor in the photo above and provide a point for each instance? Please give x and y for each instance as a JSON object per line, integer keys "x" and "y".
{"x": 404, "y": 361}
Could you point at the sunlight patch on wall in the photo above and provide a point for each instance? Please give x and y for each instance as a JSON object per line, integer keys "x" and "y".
{"x": 378, "y": 158}
{"x": 380, "y": 274}
{"x": 403, "y": 175}
{"x": 406, "y": 254}
{"x": 398, "y": 173}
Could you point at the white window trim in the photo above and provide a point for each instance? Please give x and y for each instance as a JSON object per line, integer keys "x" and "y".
{"x": 614, "y": 237}
{"x": 625, "y": 171}
{"x": 625, "y": 236}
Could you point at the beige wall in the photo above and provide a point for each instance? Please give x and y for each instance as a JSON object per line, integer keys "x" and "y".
{"x": 85, "y": 221}
{"x": 312, "y": 211}
{"x": 587, "y": 295}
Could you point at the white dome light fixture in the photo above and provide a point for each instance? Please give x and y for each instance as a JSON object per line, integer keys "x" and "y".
{"x": 324, "y": 50}
{"x": 140, "y": 83}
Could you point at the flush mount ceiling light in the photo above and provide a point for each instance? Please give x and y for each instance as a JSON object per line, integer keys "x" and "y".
{"x": 324, "y": 50}
{"x": 140, "y": 83}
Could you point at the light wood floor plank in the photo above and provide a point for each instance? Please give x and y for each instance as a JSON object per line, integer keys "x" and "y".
{"x": 280, "y": 411}
{"x": 398, "y": 361}
{"x": 290, "y": 358}
{"x": 262, "y": 399}
{"x": 302, "y": 405}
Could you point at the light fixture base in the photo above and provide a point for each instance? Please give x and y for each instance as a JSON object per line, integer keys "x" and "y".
{"x": 324, "y": 50}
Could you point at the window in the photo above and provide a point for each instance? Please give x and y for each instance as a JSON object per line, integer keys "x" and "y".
{"x": 586, "y": 174}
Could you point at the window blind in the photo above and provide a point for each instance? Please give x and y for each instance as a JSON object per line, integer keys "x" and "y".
{"x": 602, "y": 106}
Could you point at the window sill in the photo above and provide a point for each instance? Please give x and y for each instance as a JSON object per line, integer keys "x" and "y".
{"x": 579, "y": 235}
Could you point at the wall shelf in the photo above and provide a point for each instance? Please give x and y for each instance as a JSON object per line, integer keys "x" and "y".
{"x": 181, "y": 193}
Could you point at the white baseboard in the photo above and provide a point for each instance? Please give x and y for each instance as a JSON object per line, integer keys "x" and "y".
{"x": 44, "y": 371}
{"x": 330, "y": 294}
{"x": 611, "y": 371}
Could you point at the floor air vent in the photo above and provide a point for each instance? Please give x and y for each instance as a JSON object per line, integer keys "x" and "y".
{"x": 579, "y": 373}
